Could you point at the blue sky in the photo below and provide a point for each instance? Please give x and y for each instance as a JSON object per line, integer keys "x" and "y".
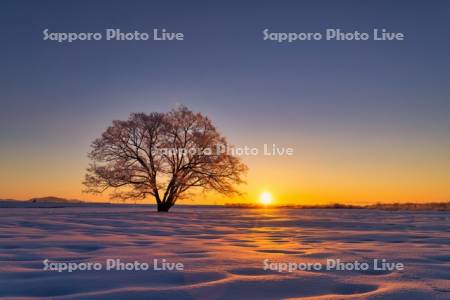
{"x": 362, "y": 99}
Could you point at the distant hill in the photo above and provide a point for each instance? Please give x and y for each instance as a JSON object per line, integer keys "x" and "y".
{"x": 57, "y": 202}
{"x": 45, "y": 202}
{"x": 48, "y": 199}
{"x": 52, "y": 199}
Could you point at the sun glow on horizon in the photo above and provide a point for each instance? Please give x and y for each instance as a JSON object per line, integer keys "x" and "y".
{"x": 266, "y": 198}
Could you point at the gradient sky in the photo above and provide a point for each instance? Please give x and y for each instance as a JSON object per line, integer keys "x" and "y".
{"x": 369, "y": 121}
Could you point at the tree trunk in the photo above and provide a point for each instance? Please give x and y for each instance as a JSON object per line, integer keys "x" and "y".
{"x": 164, "y": 207}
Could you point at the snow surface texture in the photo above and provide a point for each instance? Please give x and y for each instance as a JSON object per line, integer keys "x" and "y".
{"x": 223, "y": 250}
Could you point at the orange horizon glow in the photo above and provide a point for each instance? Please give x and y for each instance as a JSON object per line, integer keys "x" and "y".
{"x": 317, "y": 173}
{"x": 308, "y": 193}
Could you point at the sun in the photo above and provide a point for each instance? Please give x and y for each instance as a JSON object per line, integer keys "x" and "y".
{"x": 265, "y": 198}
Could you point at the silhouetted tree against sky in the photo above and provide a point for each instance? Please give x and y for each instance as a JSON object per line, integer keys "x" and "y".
{"x": 162, "y": 155}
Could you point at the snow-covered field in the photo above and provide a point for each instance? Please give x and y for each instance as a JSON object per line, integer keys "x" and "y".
{"x": 223, "y": 251}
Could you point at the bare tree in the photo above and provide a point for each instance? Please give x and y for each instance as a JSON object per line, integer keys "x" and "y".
{"x": 162, "y": 155}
